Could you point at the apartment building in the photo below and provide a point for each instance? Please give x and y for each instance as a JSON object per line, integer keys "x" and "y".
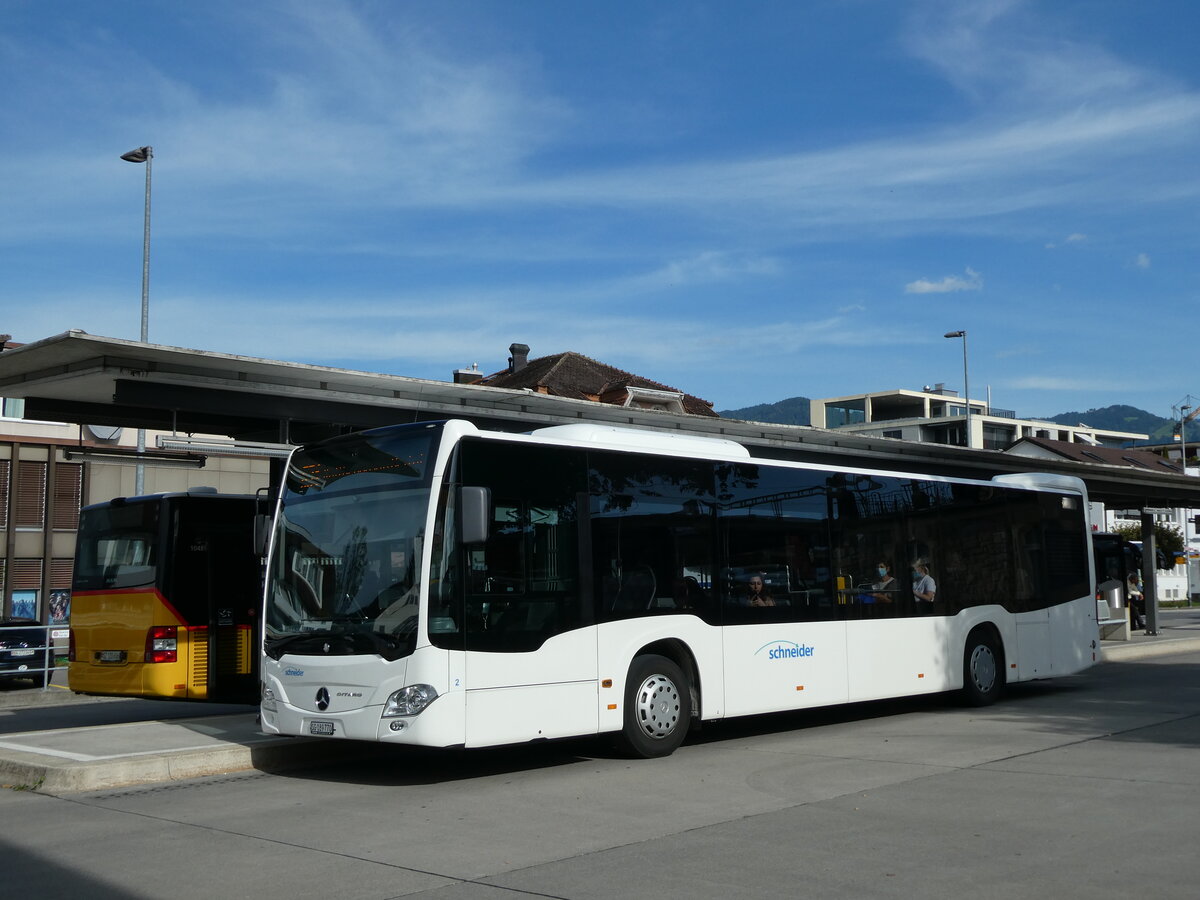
{"x": 936, "y": 414}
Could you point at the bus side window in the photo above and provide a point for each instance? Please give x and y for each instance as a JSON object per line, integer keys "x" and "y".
{"x": 522, "y": 581}
{"x": 775, "y": 542}
{"x": 651, "y": 522}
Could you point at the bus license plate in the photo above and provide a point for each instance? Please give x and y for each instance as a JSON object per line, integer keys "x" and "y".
{"x": 22, "y": 652}
{"x": 111, "y": 656}
{"x": 320, "y": 728}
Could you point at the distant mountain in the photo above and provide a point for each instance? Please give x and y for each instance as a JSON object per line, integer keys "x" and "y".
{"x": 793, "y": 411}
{"x": 1123, "y": 418}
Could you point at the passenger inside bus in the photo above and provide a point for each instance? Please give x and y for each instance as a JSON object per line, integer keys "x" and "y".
{"x": 924, "y": 587}
{"x": 758, "y": 593}
{"x": 885, "y": 590}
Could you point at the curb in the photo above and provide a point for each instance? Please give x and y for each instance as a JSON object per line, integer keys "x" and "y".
{"x": 54, "y": 772}
{"x": 1153, "y": 646}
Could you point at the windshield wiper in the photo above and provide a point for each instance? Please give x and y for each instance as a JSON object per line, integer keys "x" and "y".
{"x": 346, "y": 642}
{"x": 275, "y": 646}
{"x": 388, "y": 647}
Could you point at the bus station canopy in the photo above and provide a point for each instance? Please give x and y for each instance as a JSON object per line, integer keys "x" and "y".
{"x": 85, "y": 379}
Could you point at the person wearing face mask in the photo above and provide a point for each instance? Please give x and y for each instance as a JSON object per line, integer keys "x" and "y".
{"x": 924, "y": 587}
{"x": 885, "y": 588}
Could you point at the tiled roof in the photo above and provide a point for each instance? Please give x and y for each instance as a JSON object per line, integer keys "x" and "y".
{"x": 579, "y": 377}
{"x": 1113, "y": 456}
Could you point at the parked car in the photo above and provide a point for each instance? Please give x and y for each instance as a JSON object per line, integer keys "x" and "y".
{"x": 22, "y": 648}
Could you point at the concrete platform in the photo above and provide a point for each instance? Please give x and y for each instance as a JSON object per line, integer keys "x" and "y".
{"x": 102, "y": 757}
{"x": 85, "y": 759}
{"x": 168, "y": 743}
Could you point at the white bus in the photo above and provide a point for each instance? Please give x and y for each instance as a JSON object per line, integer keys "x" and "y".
{"x": 438, "y": 585}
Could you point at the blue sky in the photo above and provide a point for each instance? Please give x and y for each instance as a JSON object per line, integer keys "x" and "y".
{"x": 745, "y": 200}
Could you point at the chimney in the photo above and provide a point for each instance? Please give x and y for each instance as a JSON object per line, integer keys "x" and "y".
{"x": 468, "y": 376}
{"x": 519, "y": 358}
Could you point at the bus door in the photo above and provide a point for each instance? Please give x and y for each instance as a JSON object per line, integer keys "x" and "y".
{"x": 216, "y": 582}
{"x": 530, "y": 666}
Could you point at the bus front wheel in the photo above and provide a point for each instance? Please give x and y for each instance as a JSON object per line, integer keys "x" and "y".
{"x": 657, "y": 707}
{"x": 983, "y": 669}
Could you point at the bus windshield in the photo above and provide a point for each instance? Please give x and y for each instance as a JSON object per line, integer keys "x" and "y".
{"x": 343, "y": 577}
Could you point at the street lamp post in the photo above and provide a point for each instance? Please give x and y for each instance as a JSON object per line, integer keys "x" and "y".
{"x": 143, "y": 155}
{"x": 966, "y": 384}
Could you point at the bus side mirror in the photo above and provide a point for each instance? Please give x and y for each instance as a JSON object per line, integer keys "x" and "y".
{"x": 475, "y": 513}
{"x": 262, "y": 532}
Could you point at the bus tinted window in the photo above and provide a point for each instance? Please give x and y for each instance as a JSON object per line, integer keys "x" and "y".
{"x": 117, "y": 548}
{"x": 372, "y": 460}
{"x": 522, "y": 585}
{"x": 1066, "y": 575}
{"x": 880, "y": 525}
{"x": 775, "y": 544}
{"x": 737, "y": 543}
{"x": 212, "y": 574}
{"x": 652, "y": 531}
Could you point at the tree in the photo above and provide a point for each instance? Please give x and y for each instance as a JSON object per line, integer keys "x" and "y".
{"x": 1166, "y": 537}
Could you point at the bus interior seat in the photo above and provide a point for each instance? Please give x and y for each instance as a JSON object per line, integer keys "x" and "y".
{"x": 637, "y": 590}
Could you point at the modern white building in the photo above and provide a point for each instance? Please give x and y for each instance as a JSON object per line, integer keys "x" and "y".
{"x": 937, "y": 415}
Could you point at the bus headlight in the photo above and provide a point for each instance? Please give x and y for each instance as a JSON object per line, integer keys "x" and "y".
{"x": 408, "y": 701}
{"x": 268, "y": 697}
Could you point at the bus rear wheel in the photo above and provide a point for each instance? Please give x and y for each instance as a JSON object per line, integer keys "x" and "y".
{"x": 983, "y": 669}
{"x": 657, "y": 707}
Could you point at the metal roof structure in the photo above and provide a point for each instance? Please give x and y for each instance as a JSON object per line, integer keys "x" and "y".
{"x": 80, "y": 378}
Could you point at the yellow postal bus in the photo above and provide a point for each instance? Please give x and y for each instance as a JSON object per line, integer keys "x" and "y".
{"x": 165, "y": 598}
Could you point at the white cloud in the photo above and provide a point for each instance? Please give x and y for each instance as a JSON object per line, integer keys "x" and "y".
{"x": 1005, "y": 53}
{"x": 350, "y": 114}
{"x": 703, "y": 268}
{"x": 1142, "y": 261}
{"x": 1076, "y": 384}
{"x": 948, "y": 285}
{"x": 1076, "y": 238}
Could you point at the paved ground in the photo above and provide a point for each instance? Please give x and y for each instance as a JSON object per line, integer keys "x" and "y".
{"x": 61, "y": 742}
{"x": 1081, "y": 787}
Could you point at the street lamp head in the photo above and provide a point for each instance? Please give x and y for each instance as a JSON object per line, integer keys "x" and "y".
{"x": 954, "y": 334}
{"x": 140, "y": 155}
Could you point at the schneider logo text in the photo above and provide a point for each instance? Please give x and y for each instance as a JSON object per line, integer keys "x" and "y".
{"x": 786, "y": 650}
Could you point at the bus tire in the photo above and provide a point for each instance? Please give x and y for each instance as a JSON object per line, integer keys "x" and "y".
{"x": 657, "y": 708}
{"x": 983, "y": 668}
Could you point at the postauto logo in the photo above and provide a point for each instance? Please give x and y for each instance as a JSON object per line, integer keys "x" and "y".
{"x": 785, "y": 650}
